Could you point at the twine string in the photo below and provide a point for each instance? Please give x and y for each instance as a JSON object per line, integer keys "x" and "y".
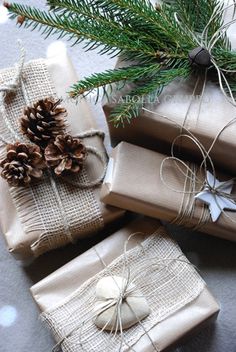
{"x": 216, "y": 12}
{"x": 209, "y": 45}
{"x": 192, "y": 180}
{"x": 92, "y": 151}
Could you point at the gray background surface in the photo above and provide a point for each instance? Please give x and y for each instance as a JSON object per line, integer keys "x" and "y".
{"x": 20, "y": 328}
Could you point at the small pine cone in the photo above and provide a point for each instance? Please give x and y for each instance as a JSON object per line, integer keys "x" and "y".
{"x": 65, "y": 153}
{"x": 23, "y": 163}
{"x": 43, "y": 121}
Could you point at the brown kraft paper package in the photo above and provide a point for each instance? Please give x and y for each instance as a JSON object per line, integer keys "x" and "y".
{"x": 134, "y": 182}
{"x": 154, "y": 131}
{"x": 60, "y": 72}
{"x": 57, "y": 288}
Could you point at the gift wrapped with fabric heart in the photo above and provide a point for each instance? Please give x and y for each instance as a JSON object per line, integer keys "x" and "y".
{"x": 52, "y": 160}
{"x": 133, "y": 291}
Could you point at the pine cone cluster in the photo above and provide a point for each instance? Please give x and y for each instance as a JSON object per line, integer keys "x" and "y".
{"x": 65, "y": 153}
{"x": 43, "y": 121}
{"x": 23, "y": 163}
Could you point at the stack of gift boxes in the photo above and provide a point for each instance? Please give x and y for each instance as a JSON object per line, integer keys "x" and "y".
{"x": 135, "y": 290}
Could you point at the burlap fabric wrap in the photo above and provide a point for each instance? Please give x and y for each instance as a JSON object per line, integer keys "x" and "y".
{"x": 168, "y": 287}
{"x": 55, "y": 209}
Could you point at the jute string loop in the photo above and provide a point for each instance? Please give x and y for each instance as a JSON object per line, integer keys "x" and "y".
{"x": 156, "y": 267}
{"x": 93, "y": 151}
{"x": 195, "y": 179}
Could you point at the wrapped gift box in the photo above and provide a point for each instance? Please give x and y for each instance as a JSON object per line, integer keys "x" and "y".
{"x": 62, "y": 295}
{"x": 134, "y": 182}
{"x": 16, "y": 216}
{"x": 157, "y": 130}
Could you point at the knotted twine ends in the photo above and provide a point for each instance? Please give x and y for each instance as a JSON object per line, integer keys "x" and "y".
{"x": 119, "y": 304}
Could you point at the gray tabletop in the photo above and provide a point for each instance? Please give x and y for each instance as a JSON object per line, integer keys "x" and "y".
{"x": 20, "y": 328}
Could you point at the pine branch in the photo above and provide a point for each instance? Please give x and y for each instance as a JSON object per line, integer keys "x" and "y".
{"x": 140, "y": 14}
{"x": 157, "y": 41}
{"x": 130, "y": 74}
{"x": 80, "y": 29}
{"x": 225, "y": 58}
{"x": 133, "y": 102}
{"x": 75, "y": 8}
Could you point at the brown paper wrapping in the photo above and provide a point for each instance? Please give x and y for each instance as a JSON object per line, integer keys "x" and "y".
{"x": 79, "y": 119}
{"x": 57, "y": 286}
{"x": 155, "y": 132}
{"x": 133, "y": 182}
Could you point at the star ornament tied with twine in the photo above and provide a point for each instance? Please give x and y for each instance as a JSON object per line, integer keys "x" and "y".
{"x": 217, "y": 195}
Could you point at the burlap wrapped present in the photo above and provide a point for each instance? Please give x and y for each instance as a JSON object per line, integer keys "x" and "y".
{"x": 138, "y": 180}
{"x": 179, "y": 301}
{"x": 43, "y": 216}
{"x": 180, "y": 104}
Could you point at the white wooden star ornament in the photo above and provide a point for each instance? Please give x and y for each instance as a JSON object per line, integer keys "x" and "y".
{"x": 216, "y": 201}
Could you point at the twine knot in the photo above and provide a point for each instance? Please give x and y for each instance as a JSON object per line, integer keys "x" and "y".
{"x": 9, "y": 87}
{"x": 212, "y": 189}
{"x": 12, "y": 86}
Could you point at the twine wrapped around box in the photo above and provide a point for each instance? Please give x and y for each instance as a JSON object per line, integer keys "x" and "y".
{"x": 55, "y": 208}
{"x": 200, "y": 182}
{"x": 203, "y": 104}
{"x": 157, "y": 267}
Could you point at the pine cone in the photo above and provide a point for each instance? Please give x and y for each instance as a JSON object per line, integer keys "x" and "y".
{"x": 43, "y": 121}
{"x": 65, "y": 153}
{"x": 22, "y": 163}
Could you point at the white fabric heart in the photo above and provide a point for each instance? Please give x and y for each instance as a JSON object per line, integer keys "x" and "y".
{"x": 119, "y": 306}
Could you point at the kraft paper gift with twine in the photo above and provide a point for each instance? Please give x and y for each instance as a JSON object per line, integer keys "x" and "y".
{"x": 201, "y": 108}
{"x": 52, "y": 212}
{"x": 163, "y": 187}
{"x": 179, "y": 300}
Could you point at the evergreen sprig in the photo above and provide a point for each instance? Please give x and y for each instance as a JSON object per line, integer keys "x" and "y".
{"x": 132, "y": 73}
{"x": 145, "y": 92}
{"x": 157, "y": 41}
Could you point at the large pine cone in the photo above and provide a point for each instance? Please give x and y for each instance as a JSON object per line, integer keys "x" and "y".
{"x": 43, "y": 121}
{"x": 65, "y": 153}
{"x": 22, "y": 163}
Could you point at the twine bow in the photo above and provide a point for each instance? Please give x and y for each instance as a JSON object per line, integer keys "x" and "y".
{"x": 209, "y": 45}
{"x": 197, "y": 181}
{"x": 217, "y": 195}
